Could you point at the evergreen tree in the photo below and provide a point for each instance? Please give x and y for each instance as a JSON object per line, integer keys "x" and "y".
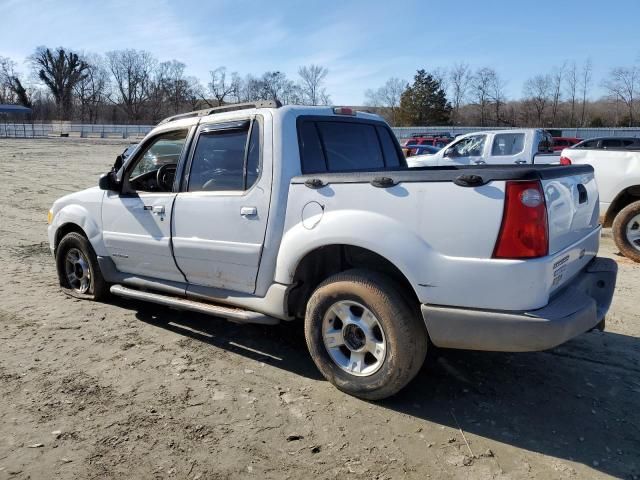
{"x": 424, "y": 102}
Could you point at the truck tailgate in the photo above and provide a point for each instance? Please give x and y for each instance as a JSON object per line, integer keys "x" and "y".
{"x": 572, "y": 209}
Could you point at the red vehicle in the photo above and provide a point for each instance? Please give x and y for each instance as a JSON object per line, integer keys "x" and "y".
{"x": 433, "y": 141}
{"x": 560, "y": 143}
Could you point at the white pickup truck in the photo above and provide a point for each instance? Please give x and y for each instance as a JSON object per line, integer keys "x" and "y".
{"x": 617, "y": 171}
{"x": 270, "y": 213}
{"x": 493, "y": 147}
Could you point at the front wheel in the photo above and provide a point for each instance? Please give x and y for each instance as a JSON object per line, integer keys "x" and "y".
{"x": 78, "y": 270}
{"x": 626, "y": 231}
{"x": 363, "y": 336}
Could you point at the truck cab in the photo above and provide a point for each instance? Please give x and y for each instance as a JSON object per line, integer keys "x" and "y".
{"x": 492, "y": 147}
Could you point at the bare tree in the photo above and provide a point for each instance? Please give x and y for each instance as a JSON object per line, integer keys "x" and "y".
{"x": 251, "y": 89}
{"x": 11, "y": 88}
{"x": 387, "y": 96}
{"x": 276, "y": 86}
{"x": 585, "y": 84}
{"x": 312, "y": 79}
{"x": 460, "y": 80}
{"x": 223, "y": 87}
{"x": 622, "y": 84}
{"x": 132, "y": 72}
{"x": 571, "y": 80}
{"x": 92, "y": 90}
{"x": 481, "y": 88}
{"x": 193, "y": 93}
{"x": 538, "y": 93}
{"x": 497, "y": 95}
{"x": 61, "y": 71}
{"x": 556, "y": 81}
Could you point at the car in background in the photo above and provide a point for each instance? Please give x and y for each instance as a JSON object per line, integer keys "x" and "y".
{"x": 610, "y": 143}
{"x": 497, "y": 147}
{"x": 420, "y": 150}
{"x": 617, "y": 171}
{"x": 435, "y": 141}
{"x": 560, "y": 143}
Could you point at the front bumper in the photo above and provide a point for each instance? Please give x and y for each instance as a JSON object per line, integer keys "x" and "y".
{"x": 580, "y": 306}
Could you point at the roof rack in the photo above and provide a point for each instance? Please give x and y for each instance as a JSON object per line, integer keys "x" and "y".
{"x": 224, "y": 108}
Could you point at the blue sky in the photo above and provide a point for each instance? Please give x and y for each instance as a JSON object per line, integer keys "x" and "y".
{"x": 361, "y": 42}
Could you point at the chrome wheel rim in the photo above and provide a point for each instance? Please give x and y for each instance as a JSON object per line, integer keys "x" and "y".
{"x": 633, "y": 232}
{"x": 76, "y": 267}
{"x": 354, "y": 338}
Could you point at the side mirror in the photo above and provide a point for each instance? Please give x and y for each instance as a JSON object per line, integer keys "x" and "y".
{"x": 448, "y": 152}
{"x": 108, "y": 182}
{"x": 117, "y": 165}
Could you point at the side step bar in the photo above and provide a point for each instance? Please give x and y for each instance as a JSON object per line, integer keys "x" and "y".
{"x": 232, "y": 314}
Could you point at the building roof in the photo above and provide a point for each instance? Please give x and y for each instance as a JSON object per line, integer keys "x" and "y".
{"x": 4, "y": 108}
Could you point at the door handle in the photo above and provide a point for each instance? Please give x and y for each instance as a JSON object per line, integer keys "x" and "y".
{"x": 155, "y": 209}
{"x": 520, "y": 162}
{"x": 248, "y": 211}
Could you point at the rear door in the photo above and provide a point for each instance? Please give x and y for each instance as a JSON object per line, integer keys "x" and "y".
{"x": 508, "y": 148}
{"x": 220, "y": 215}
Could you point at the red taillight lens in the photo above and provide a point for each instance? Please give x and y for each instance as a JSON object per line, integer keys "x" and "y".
{"x": 565, "y": 161}
{"x": 344, "y": 111}
{"x": 524, "y": 232}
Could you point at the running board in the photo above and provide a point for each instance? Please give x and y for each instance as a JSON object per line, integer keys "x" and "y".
{"x": 236, "y": 315}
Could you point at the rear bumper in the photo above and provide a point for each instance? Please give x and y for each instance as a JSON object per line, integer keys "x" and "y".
{"x": 580, "y": 306}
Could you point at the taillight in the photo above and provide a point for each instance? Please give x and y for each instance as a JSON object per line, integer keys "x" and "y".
{"x": 565, "y": 161}
{"x": 344, "y": 111}
{"x": 524, "y": 232}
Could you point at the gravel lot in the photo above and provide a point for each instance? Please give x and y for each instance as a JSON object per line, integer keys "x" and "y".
{"x": 128, "y": 390}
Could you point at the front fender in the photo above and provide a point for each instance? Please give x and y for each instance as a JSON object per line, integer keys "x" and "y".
{"x": 380, "y": 234}
{"x": 84, "y": 218}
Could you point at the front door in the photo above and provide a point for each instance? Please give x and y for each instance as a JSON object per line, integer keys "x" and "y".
{"x": 220, "y": 216}
{"x": 137, "y": 221}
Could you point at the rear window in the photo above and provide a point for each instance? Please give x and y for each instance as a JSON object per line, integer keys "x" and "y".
{"x": 338, "y": 146}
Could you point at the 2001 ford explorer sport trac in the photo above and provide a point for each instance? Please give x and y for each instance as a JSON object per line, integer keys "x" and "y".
{"x": 261, "y": 213}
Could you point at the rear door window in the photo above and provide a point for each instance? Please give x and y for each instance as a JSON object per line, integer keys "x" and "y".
{"x": 611, "y": 143}
{"x": 507, "y": 144}
{"x": 338, "y": 146}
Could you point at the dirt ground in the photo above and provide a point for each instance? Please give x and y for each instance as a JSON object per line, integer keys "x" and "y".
{"x": 128, "y": 390}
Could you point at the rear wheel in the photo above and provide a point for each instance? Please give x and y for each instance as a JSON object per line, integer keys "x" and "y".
{"x": 78, "y": 270}
{"x": 626, "y": 231}
{"x": 363, "y": 336}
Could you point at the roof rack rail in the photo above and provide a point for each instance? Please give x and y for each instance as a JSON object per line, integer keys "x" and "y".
{"x": 224, "y": 108}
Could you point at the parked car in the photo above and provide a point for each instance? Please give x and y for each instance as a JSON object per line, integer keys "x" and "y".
{"x": 420, "y": 150}
{"x": 438, "y": 142}
{"x": 560, "y": 143}
{"x": 617, "y": 171}
{"x": 277, "y": 213}
{"x": 610, "y": 143}
{"x": 517, "y": 146}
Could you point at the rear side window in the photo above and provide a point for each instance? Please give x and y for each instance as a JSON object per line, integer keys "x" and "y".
{"x": 336, "y": 146}
{"x": 507, "y": 144}
{"x": 589, "y": 144}
{"x": 611, "y": 143}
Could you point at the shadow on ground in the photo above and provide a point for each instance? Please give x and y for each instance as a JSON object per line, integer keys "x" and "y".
{"x": 578, "y": 402}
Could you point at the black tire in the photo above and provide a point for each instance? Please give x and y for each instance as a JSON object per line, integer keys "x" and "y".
{"x": 98, "y": 289}
{"x": 404, "y": 332}
{"x": 620, "y": 223}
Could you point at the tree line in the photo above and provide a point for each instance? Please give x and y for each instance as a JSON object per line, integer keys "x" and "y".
{"x": 461, "y": 95}
{"x": 133, "y": 86}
